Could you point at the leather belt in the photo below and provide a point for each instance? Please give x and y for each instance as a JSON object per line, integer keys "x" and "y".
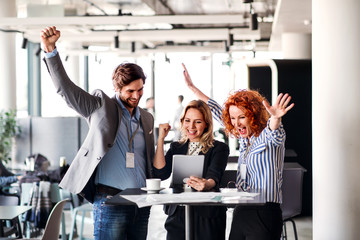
{"x": 107, "y": 190}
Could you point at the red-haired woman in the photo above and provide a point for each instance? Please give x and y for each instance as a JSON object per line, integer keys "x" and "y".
{"x": 249, "y": 117}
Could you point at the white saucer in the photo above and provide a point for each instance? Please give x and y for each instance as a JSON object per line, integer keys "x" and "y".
{"x": 152, "y": 190}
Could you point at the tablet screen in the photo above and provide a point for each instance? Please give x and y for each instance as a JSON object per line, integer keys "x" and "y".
{"x": 185, "y": 166}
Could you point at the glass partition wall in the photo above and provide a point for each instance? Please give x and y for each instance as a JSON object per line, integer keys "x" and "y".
{"x": 216, "y": 74}
{"x": 165, "y": 81}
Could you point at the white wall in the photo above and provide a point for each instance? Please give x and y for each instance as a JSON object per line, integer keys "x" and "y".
{"x": 296, "y": 45}
{"x": 336, "y": 115}
{"x": 7, "y": 60}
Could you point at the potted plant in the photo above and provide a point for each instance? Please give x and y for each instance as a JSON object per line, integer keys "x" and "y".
{"x": 9, "y": 128}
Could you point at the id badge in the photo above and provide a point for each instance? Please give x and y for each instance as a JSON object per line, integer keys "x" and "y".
{"x": 243, "y": 171}
{"x": 130, "y": 160}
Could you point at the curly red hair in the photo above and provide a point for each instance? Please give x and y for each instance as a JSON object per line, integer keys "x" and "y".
{"x": 250, "y": 102}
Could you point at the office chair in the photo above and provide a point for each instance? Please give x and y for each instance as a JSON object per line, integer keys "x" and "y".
{"x": 228, "y": 179}
{"x": 13, "y": 226}
{"x": 291, "y": 195}
{"x": 9, "y": 199}
{"x": 233, "y": 159}
{"x": 57, "y": 196}
{"x": 86, "y": 207}
{"x": 52, "y": 228}
{"x": 75, "y": 208}
{"x": 27, "y": 189}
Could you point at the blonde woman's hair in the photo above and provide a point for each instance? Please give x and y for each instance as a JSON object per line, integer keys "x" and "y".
{"x": 207, "y": 138}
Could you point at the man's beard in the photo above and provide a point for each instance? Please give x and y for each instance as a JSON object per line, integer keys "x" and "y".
{"x": 129, "y": 104}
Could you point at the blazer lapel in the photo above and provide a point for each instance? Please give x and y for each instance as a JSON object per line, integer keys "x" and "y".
{"x": 119, "y": 110}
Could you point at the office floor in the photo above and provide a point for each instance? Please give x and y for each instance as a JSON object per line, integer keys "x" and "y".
{"x": 157, "y": 232}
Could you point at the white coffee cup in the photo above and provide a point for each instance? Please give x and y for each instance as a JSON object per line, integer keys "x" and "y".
{"x": 153, "y": 183}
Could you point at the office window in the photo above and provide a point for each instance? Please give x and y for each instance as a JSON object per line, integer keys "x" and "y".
{"x": 52, "y": 104}
{"x": 101, "y": 69}
{"x": 21, "y": 78}
{"x": 209, "y": 73}
{"x": 100, "y": 72}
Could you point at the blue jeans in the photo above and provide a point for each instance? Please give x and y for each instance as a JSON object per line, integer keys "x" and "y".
{"x": 120, "y": 222}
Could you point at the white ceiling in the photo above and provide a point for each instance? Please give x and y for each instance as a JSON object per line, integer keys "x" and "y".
{"x": 159, "y": 24}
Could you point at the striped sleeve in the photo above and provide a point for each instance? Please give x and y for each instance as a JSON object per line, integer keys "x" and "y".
{"x": 265, "y": 164}
{"x": 276, "y": 136}
{"x": 216, "y": 110}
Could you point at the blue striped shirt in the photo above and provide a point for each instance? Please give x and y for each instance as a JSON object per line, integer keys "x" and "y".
{"x": 265, "y": 160}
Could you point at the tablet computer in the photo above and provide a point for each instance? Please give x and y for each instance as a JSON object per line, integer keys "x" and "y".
{"x": 185, "y": 166}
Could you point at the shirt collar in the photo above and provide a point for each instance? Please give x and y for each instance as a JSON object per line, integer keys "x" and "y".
{"x": 137, "y": 111}
{"x": 244, "y": 142}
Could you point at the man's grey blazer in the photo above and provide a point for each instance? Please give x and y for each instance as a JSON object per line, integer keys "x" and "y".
{"x": 103, "y": 114}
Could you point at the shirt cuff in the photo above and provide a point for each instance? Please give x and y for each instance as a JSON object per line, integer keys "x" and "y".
{"x": 51, "y": 54}
{"x": 278, "y": 133}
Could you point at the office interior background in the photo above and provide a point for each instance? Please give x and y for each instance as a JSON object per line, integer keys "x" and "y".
{"x": 308, "y": 48}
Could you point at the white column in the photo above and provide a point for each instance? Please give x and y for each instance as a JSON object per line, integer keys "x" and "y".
{"x": 7, "y": 60}
{"x": 72, "y": 63}
{"x": 336, "y": 119}
{"x": 296, "y": 45}
{"x": 73, "y": 68}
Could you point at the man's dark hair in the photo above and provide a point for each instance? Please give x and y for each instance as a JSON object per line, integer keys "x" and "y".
{"x": 126, "y": 73}
{"x": 181, "y": 98}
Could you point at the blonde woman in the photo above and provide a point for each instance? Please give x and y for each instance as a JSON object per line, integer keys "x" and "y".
{"x": 197, "y": 139}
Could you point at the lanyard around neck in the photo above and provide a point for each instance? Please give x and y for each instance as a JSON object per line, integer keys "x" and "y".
{"x": 128, "y": 132}
{"x": 248, "y": 150}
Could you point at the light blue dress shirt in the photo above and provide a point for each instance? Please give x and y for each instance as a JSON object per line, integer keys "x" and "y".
{"x": 51, "y": 54}
{"x": 112, "y": 170}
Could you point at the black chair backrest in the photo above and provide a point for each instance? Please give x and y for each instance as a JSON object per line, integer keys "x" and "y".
{"x": 233, "y": 159}
{"x": 9, "y": 200}
{"x": 228, "y": 177}
{"x": 292, "y": 190}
